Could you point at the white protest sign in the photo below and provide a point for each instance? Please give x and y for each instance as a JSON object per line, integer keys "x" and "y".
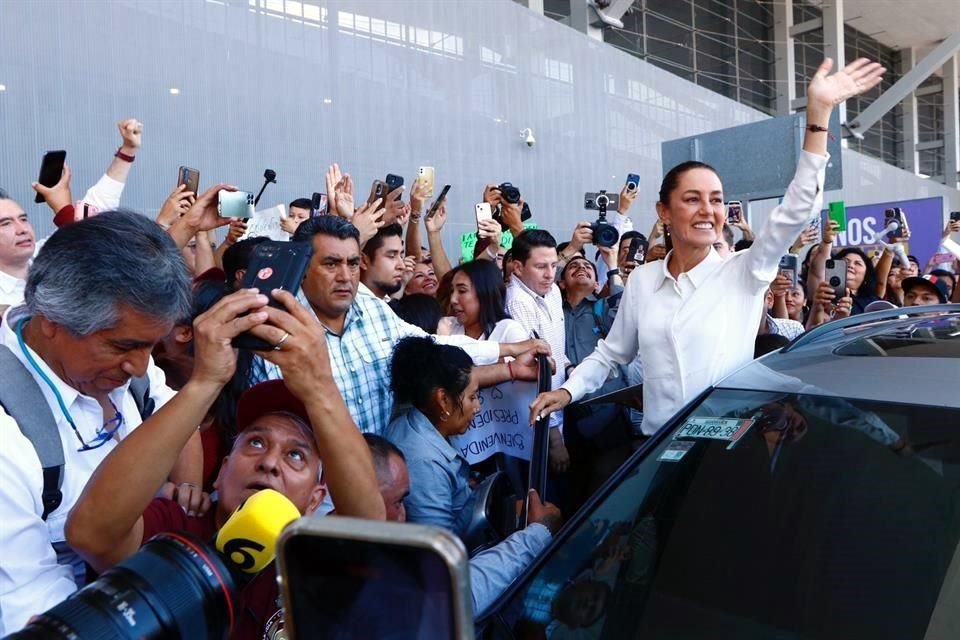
{"x": 502, "y": 425}
{"x": 267, "y": 223}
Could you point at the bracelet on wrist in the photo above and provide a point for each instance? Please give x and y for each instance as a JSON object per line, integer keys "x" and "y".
{"x": 510, "y": 369}
{"x": 613, "y": 272}
{"x": 124, "y": 156}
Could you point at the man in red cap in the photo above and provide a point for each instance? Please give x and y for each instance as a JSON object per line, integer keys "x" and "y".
{"x": 286, "y": 427}
{"x": 922, "y": 290}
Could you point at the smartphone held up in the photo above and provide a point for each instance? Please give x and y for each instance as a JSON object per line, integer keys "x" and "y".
{"x": 51, "y": 168}
{"x": 235, "y": 204}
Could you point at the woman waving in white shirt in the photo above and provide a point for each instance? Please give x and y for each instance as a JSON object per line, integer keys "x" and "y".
{"x": 690, "y": 317}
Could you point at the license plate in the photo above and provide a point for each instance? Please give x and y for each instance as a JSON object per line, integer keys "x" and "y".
{"x": 726, "y": 429}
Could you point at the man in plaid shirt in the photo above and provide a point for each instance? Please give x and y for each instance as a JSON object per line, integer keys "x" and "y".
{"x": 362, "y": 330}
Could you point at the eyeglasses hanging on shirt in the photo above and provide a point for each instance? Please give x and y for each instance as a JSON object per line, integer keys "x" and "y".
{"x": 106, "y": 431}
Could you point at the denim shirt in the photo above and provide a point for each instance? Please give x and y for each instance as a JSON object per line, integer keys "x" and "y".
{"x": 440, "y": 494}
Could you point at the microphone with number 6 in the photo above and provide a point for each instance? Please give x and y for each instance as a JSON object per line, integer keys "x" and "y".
{"x": 248, "y": 540}
{"x": 175, "y": 586}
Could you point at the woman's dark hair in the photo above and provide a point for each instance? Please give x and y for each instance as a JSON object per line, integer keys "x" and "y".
{"x": 420, "y": 365}
{"x": 869, "y": 285}
{"x": 418, "y": 309}
{"x": 487, "y": 281}
{"x": 672, "y": 179}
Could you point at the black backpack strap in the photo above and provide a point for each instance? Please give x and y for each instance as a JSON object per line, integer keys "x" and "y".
{"x": 140, "y": 390}
{"x": 22, "y": 399}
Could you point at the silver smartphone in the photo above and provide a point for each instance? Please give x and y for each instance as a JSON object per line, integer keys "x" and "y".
{"x": 348, "y": 578}
{"x": 836, "y": 276}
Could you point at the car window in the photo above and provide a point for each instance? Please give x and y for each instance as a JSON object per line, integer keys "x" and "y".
{"x": 764, "y": 515}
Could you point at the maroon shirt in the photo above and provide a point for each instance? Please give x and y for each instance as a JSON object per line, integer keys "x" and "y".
{"x": 255, "y": 603}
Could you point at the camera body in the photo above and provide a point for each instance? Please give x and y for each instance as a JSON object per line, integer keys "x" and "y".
{"x": 604, "y": 234}
{"x": 511, "y": 195}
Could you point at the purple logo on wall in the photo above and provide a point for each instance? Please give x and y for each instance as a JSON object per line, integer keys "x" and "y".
{"x": 924, "y": 216}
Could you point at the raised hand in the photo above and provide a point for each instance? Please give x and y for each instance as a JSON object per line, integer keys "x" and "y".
{"x": 368, "y": 219}
{"x": 58, "y": 196}
{"x": 132, "y": 133}
{"x": 626, "y": 199}
{"x": 858, "y": 77}
{"x": 394, "y": 206}
{"x": 417, "y": 195}
{"x": 176, "y": 204}
{"x": 203, "y": 214}
{"x": 436, "y": 222}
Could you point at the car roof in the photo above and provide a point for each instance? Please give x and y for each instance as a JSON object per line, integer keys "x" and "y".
{"x": 910, "y": 356}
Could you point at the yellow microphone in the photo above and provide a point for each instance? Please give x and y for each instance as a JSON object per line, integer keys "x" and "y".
{"x": 248, "y": 539}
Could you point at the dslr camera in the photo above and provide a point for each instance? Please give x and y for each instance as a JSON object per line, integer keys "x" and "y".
{"x": 511, "y": 195}
{"x": 604, "y": 234}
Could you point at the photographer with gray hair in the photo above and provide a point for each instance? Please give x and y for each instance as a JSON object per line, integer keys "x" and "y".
{"x": 77, "y": 378}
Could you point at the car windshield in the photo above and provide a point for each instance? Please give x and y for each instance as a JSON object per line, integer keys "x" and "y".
{"x": 765, "y": 515}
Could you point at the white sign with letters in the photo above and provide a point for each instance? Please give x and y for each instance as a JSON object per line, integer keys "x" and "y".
{"x": 266, "y": 223}
{"x": 502, "y": 425}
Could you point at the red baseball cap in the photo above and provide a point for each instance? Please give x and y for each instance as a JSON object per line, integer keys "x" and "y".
{"x": 271, "y": 396}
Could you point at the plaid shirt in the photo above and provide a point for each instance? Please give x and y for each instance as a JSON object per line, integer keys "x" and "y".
{"x": 360, "y": 358}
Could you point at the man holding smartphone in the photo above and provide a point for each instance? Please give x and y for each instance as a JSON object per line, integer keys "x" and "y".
{"x": 289, "y": 432}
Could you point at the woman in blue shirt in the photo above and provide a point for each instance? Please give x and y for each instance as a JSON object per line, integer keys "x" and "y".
{"x": 438, "y": 384}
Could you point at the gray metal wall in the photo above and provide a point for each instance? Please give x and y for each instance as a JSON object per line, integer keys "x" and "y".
{"x": 378, "y": 85}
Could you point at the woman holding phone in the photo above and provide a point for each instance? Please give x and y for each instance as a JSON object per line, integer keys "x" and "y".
{"x": 689, "y": 318}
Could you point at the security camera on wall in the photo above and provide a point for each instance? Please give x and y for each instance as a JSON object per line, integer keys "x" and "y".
{"x": 598, "y": 7}
{"x": 527, "y": 135}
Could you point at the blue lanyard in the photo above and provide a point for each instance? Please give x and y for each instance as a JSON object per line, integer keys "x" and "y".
{"x": 102, "y": 436}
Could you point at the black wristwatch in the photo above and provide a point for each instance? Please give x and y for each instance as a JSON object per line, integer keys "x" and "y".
{"x": 613, "y": 272}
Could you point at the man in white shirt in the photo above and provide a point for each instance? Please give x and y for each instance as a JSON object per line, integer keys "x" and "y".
{"x": 17, "y": 244}
{"x": 534, "y": 300}
{"x": 89, "y": 323}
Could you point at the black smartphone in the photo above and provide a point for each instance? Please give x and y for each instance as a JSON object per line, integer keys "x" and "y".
{"x": 788, "y": 267}
{"x": 51, "y": 169}
{"x": 355, "y": 578}
{"x": 436, "y": 205}
{"x": 637, "y": 252}
{"x": 955, "y": 216}
{"x": 274, "y": 265}
{"x": 189, "y": 177}
{"x": 836, "y": 276}
{"x": 393, "y": 182}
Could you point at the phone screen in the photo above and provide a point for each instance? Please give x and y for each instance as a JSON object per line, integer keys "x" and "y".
{"x": 734, "y": 211}
{"x": 364, "y": 589}
{"x": 51, "y": 168}
{"x": 318, "y": 204}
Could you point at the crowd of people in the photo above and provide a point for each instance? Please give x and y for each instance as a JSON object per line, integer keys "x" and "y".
{"x": 125, "y": 354}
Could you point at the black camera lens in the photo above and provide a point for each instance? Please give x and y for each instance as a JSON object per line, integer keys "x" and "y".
{"x": 510, "y": 193}
{"x": 174, "y": 587}
{"x": 835, "y": 281}
{"x": 602, "y": 200}
{"x": 604, "y": 235}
